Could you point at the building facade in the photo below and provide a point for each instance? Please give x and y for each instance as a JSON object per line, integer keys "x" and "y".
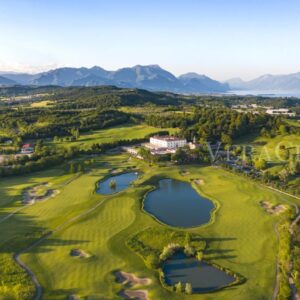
{"x": 281, "y": 111}
{"x": 169, "y": 142}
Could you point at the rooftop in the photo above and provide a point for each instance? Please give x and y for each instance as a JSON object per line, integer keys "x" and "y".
{"x": 168, "y": 138}
{"x": 28, "y": 146}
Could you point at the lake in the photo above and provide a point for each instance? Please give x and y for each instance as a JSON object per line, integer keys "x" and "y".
{"x": 122, "y": 183}
{"x": 202, "y": 276}
{"x": 177, "y": 204}
{"x": 264, "y": 93}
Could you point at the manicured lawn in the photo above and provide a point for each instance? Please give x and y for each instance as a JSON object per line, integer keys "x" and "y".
{"x": 241, "y": 236}
{"x": 268, "y": 148}
{"x": 123, "y": 132}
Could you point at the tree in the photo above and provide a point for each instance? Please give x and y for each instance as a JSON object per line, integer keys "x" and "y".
{"x": 38, "y": 146}
{"x": 180, "y": 156}
{"x": 226, "y": 139}
{"x": 200, "y": 255}
{"x": 75, "y": 133}
{"x": 178, "y": 287}
{"x": 188, "y": 289}
{"x": 283, "y": 129}
{"x": 284, "y": 175}
{"x": 72, "y": 169}
{"x": 17, "y": 141}
{"x": 80, "y": 168}
{"x": 113, "y": 184}
{"x": 260, "y": 164}
{"x": 188, "y": 250}
{"x": 151, "y": 261}
{"x": 187, "y": 238}
{"x": 294, "y": 166}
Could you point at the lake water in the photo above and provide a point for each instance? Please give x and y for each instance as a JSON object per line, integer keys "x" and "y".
{"x": 264, "y": 93}
{"x": 122, "y": 183}
{"x": 177, "y": 204}
{"x": 202, "y": 276}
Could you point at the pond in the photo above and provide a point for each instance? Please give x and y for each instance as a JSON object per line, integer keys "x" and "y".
{"x": 177, "y": 204}
{"x": 122, "y": 181}
{"x": 202, "y": 276}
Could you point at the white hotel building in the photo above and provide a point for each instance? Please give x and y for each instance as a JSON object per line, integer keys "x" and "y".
{"x": 168, "y": 142}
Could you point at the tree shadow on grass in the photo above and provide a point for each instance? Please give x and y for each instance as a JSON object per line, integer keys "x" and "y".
{"x": 20, "y": 233}
{"x": 63, "y": 294}
{"x": 213, "y": 252}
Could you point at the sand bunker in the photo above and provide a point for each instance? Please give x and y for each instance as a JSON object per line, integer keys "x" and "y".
{"x": 199, "y": 181}
{"x": 184, "y": 173}
{"x": 31, "y": 195}
{"x": 273, "y": 209}
{"x": 79, "y": 253}
{"x": 74, "y": 297}
{"x": 130, "y": 279}
{"x": 137, "y": 294}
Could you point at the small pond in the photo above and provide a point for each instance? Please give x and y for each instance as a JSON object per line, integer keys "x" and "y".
{"x": 122, "y": 181}
{"x": 177, "y": 204}
{"x": 202, "y": 276}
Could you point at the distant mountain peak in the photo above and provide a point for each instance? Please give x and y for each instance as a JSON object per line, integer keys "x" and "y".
{"x": 149, "y": 77}
{"x": 268, "y": 82}
{"x": 6, "y": 81}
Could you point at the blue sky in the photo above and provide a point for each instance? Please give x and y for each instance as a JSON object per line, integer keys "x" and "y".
{"x": 222, "y": 39}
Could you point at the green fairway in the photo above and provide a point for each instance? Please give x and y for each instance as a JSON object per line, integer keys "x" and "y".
{"x": 269, "y": 148}
{"x": 240, "y": 238}
{"x": 124, "y": 132}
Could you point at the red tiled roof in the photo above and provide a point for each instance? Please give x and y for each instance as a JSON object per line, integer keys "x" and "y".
{"x": 28, "y": 146}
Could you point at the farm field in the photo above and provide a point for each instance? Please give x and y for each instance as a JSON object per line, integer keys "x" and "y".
{"x": 240, "y": 236}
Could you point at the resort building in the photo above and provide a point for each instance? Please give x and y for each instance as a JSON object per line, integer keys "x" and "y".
{"x": 160, "y": 145}
{"x": 169, "y": 142}
{"x": 27, "y": 149}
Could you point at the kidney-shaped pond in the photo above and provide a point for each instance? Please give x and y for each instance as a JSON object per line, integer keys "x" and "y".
{"x": 177, "y": 204}
{"x": 202, "y": 276}
{"x": 115, "y": 184}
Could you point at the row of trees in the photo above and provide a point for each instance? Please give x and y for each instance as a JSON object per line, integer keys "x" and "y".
{"x": 50, "y": 122}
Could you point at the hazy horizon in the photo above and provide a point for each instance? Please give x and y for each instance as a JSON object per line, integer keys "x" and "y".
{"x": 222, "y": 40}
{"x": 46, "y": 69}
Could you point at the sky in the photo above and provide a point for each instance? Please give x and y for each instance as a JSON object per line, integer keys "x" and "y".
{"x": 222, "y": 39}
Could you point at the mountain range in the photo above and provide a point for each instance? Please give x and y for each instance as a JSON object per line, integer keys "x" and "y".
{"x": 289, "y": 82}
{"x": 150, "y": 77}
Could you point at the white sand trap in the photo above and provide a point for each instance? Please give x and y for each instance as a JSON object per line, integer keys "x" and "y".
{"x": 31, "y": 195}
{"x": 79, "y": 253}
{"x": 199, "y": 181}
{"x": 137, "y": 294}
{"x": 273, "y": 209}
{"x": 130, "y": 279}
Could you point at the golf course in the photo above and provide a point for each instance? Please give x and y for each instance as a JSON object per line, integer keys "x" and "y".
{"x": 239, "y": 236}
